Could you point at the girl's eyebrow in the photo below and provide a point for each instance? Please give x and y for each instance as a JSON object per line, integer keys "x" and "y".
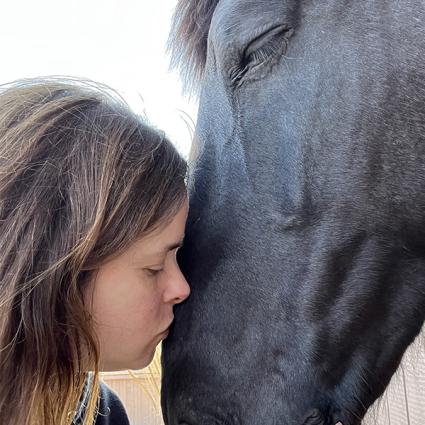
{"x": 172, "y": 246}
{"x": 163, "y": 251}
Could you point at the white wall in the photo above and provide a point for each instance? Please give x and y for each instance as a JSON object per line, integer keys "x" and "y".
{"x": 117, "y": 42}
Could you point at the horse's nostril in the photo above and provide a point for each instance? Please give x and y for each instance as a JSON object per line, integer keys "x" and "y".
{"x": 314, "y": 417}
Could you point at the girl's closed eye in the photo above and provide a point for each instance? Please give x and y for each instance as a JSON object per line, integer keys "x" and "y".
{"x": 154, "y": 272}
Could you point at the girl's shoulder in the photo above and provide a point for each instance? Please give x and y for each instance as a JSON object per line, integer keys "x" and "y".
{"x": 111, "y": 409}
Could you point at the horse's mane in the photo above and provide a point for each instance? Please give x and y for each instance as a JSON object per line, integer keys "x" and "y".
{"x": 187, "y": 41}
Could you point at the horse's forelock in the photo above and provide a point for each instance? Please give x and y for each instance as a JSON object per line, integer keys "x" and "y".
{"x": 187, "y": 41}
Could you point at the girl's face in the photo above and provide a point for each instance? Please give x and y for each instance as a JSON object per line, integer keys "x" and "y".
{"x": 131, "y": 297}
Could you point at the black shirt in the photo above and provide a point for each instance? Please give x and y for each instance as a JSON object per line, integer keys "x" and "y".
{"x": 110, "y": 409}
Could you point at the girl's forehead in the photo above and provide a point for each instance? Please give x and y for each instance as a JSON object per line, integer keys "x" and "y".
{"x": 165, "y": 238}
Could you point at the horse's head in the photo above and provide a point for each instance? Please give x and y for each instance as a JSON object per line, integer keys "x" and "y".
{"x": 306, "y": 239}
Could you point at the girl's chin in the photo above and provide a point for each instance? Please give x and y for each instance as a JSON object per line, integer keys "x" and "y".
{"x": 134, "y": 365}
{"x": 143, "y": 362}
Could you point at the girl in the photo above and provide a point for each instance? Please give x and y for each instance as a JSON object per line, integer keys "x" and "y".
{"x": 93, "y": 206}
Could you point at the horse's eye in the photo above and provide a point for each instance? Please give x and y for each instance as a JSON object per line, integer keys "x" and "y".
{"x": 267, "y": 44}
{"x": 261, "y": 51}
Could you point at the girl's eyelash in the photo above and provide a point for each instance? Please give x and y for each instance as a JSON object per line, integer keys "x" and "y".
{"x": 153, "y": 272}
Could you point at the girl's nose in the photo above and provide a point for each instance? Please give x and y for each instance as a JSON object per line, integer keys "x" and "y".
{"x": 178, "y": 288}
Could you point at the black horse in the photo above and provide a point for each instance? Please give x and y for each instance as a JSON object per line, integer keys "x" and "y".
{"x": 305, "y": 243}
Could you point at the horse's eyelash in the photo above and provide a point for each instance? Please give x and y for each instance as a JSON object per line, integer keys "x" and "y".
{"x": 266, "y": 51}
{"x": 256, "y": 57}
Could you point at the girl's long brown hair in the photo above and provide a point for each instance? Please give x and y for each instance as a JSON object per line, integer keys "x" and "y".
{"x": 81, "y": 178}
